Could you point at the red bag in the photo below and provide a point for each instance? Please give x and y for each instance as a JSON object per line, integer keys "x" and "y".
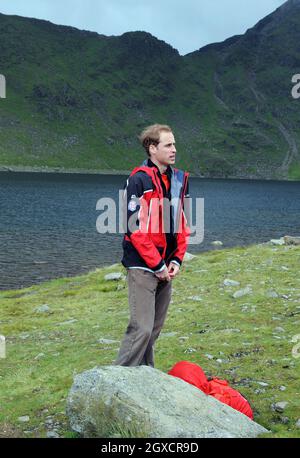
{"x": 190, "y": 373}
{"x": 220, "y": 390}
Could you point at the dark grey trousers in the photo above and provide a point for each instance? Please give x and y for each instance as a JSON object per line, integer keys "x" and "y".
{"x": 149, "y": 299}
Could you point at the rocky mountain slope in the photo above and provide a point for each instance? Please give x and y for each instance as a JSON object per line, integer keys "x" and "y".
{"x": 76, "y": 99}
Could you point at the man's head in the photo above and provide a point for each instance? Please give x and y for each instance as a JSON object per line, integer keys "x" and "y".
{"x": 159, "y": 143}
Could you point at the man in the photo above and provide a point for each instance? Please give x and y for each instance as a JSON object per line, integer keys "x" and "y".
{"x": 154, "y": 243}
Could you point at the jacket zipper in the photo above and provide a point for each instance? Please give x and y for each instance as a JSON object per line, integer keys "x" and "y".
{"x": 182, "y": 198}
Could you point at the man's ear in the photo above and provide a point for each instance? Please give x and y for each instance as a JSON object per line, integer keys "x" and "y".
{"x": 152, "y": 149}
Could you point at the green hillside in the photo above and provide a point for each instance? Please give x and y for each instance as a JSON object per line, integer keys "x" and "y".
{"x": 77, "y": 100}
{"x": 62, "y": 327}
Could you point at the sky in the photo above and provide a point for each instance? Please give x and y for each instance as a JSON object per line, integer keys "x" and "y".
{"x": 187, "y": 25}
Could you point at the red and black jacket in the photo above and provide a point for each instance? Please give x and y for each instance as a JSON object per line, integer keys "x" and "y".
{"x": 155, "y": 233}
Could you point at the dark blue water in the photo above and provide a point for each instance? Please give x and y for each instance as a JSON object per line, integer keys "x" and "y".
{"x": 48, "y": 221}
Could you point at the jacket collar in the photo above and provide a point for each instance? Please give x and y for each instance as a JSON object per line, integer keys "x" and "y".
{"x": 149, "y": 163}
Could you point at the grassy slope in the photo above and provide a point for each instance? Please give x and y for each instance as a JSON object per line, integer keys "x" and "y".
{"x": 37, "y": 385}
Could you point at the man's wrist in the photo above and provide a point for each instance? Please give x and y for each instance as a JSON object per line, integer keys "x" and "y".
{"x": 176, "y": 261}
{"x": 161, "y": 266}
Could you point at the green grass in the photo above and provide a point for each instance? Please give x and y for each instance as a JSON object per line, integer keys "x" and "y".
{"x": 45, "y": 350}
{"x": 294, "y": 172}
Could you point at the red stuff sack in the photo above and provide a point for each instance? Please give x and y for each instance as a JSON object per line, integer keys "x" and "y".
{"x": 220, "y": 390}
{"x": 191, "y": 373}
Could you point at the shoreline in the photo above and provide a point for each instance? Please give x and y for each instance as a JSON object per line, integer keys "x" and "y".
{"x": 62, "y": 171}
{"x": 118, "y": 264}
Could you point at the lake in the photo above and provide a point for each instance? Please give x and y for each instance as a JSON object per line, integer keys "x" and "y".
{"x": 48, "y": 221}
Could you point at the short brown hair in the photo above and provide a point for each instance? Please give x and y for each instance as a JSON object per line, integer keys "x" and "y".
{"x": 151, "y": 134}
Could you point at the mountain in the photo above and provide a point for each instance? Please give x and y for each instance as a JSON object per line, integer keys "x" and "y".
{"x": 77, "y": 99}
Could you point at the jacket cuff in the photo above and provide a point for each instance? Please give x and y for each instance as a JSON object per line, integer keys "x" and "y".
{"x": 160, "y": 267}
{"x": 176, "y": 261}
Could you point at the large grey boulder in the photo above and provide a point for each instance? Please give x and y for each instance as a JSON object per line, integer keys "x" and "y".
{"x": 115, "y": 401}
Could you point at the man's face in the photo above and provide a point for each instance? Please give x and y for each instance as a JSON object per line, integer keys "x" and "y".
{"x": 165, "y": 152}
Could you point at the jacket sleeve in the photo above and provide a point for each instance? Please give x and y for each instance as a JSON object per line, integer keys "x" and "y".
{"x": 137, "y": 199}
{"x": 184, "y": 231}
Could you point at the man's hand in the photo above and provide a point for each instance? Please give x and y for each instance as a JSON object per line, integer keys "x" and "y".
{"x": 163, "y": 275}
{"x": 173, "y": 270}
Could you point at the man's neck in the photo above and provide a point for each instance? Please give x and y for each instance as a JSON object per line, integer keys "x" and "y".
{"x": 162, "y": 168}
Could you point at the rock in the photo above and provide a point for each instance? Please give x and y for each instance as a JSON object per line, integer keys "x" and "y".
{"x": 279, "y": 406}
{"x": 68, "y": 322}
{"x": 279, "y": 329}
{"x": 259, "y": 391}
{"x": 188, "y": 257}
{"x": 288, "y": 240}
{"x": 262, "y": 383}
{"x": 272, "y": 294}
{"x": 208, "y": 356}
{"x": 284, "y": 420}
{"x": 242, "y": 292}
{"x": 52, "y": 435}
{"x": 195, "y": 298}
{"x": 114, "y": 276}
{"x": 43, "y": 309}
{"x": 217, "y": 243}
{"x": 190, "y": 350}
{"x": 24, "y": 419}
{"x": 231, "y": 330}
{"x": 297, "y": 423}
{"x": 168, "y": 334}
{"x": 282, "y": 388}
{"x": 228, "y": 282}
{"x": 277, "y": 241}
{"x": 39, "y": 356}
{"x": 105, "y": 401}
{"x": 107, "y": 341}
